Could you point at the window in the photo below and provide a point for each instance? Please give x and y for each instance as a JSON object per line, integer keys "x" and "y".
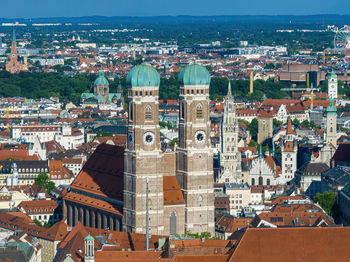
{"x": 131, "y": 111}
{"x": 173, "y": 223}
{"x": 183, "y": 110}
{"x": 148, "y": 113}
{"x": 253, "y": 181}
{"x": 199, "y": 111}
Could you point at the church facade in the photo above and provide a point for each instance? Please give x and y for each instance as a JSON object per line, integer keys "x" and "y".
{"x": 101, "y": 94}
{"x": 142, "y": 188}
{"x": 180, "y": 185}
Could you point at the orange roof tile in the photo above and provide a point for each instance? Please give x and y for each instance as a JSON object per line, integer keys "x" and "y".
{"x": 172, "y": 193}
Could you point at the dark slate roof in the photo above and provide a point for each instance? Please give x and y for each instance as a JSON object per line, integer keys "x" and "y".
{"x": 346, "y": 190}
{"x": 119, "y": 129}
{"x": 313, "y": 169}
{"x": 342, "y": 153}
{"x": 338, "y": 175}
{"x": 7, "y": 165}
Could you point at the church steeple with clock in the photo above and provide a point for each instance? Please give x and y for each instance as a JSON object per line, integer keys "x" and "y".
{"x": 143, "y": 155}
{"x": 194, "y": 161}
{"x": 289, "y": 155}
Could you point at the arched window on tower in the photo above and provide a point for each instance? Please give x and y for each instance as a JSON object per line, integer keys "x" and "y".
{"x": 131, "y": 112}
{"x": 253, "y": 181}
{"x": 268, "y": 182}
{"x": 199, "y": 111}
{"x": 173, "y": 223}
{"x": 183, "y": 110}
{"x": 148, "y": 113}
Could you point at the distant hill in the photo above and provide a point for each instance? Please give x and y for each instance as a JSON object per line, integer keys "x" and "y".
{"x": 314, "y": 19}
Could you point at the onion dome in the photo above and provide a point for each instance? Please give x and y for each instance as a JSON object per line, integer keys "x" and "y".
{"x": 194, "y": 75}
{"x": 331, "y": 109}
{"x": 333, "y": 75}
{"x": 143, "y": 75}
{"x": 101, "y": 79}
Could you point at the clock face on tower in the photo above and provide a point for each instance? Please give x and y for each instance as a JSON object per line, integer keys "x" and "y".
{"x": 288, "y": 155}
{"x": 148, "y": 138}
{"x": 199, "y": 137}
{"x": 130, "y": 138}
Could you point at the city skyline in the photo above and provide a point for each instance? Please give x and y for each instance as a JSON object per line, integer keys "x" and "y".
{"x": 158, "y": 8}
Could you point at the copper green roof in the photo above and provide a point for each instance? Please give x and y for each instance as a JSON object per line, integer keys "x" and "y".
{"x": 101, "y": 80}
{"x": 89, "y": 237}
{"x": 333, "y": 75}
{"x": 143, "y": 75}
{"x": 331, "y": 109}
{"x": 194, "y": 75}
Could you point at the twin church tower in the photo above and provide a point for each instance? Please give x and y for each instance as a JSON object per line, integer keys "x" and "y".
{"x": 180, "y": 185}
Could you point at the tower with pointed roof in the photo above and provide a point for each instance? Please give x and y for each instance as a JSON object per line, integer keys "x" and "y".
{"x": 230, "y": 157}
{"x": 333, "y": 86}
{"x": 13, "y": 65}
{"x": 289, "y": 154}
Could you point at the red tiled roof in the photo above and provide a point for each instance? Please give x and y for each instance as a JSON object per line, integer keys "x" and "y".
{"x": 92, "y": 202}
{"x": 171, "y": 190}
{"x": 293, "y": 244}
{"x": 103, "y": 173}
{"x": 39, "y": 206}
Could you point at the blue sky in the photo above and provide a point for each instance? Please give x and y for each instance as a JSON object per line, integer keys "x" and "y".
{"x": 74, "y": 8}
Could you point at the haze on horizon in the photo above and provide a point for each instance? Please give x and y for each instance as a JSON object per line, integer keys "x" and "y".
{"x": 77, "y": 8}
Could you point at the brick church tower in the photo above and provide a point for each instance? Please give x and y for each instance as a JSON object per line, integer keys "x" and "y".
{"x": 143, "y": 157}
{"x": 194, "y": 160}
{"x": 14, "y": 66}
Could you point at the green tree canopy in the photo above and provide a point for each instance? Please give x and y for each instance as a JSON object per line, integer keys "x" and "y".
{"x": 326, "y": 200}
{"x": 44, "y": 181}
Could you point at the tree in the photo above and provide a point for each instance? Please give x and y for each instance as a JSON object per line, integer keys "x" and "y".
{"x": 44, "y": 181}
{"x": 253, "y": 128}
{"x": 174, "y": 141}
{"x": 276, "y": 123}
{"x": 326, "y": 200}
{"x": 296, "y": 122}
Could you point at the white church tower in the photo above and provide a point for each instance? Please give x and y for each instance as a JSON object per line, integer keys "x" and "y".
{"x": 332, "y": 86}
{"x": 230, "y": 157}
{"x": 12, "y": 180}
{"x": 289, "y": 155}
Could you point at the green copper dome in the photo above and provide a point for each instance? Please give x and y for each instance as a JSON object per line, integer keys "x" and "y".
{"x": 331, "y": 109}
{"x": 143, "y": 75}
{"x": 89, "y": 237}
{"x": 333, "y": 75}
{"x": 194, "y": 75}
{"x": 101, "y": 80}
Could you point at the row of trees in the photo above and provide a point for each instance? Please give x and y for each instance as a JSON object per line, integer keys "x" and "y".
{"x": 36, "y": 85}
